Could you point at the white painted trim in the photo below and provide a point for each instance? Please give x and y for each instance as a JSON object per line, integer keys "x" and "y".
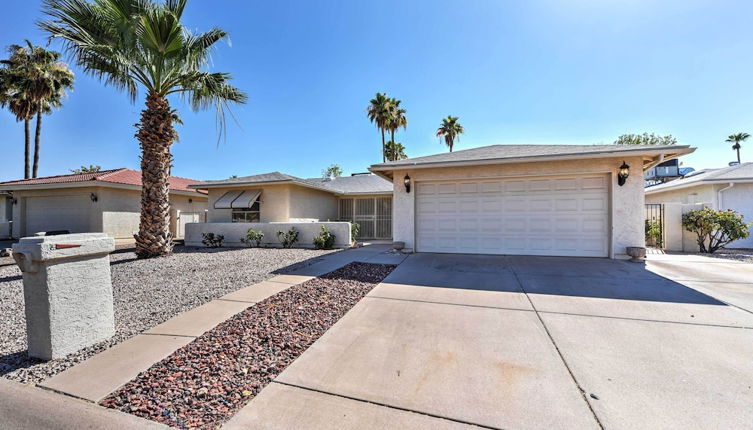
{"x": 95, "y": 184}
{"x": 652, "y": 190}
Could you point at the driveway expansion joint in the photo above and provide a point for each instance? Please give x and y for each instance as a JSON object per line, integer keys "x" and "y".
{"x": 169, "y": 334}
{"x": 386, "y": 405}
{"x": 237, "y": 301}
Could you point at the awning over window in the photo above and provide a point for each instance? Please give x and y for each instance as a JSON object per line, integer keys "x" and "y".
{"x": 226, "y": 201}
{"x": 246, "y": 199}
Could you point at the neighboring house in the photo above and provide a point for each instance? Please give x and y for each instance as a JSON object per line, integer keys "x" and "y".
{"x": 108, "y": 201}
{"x": 725, "y": 188}
{"x": 524, "y": 199}
{"x": 277, "y": 197}
{"x": 6, "y": 208}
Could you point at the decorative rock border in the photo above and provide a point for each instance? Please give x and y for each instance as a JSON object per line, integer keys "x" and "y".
{"x": 207, "y": 381}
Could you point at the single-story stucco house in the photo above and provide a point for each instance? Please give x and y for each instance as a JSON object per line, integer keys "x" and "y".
{"x": 108, "y": 201}
{"x": 566, "y": 200}
{"x": 725, "y": 188}
{"x": 281, "y": 198}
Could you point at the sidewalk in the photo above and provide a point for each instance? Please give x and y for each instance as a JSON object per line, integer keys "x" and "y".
{"x": 25, "y": 407}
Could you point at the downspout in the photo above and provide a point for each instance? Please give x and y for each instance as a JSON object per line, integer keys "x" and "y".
{"x": 719, "y": 195}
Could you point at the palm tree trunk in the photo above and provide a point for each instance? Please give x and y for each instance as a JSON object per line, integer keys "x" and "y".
{"x": 155, "y": 135}
{"x": 37, "y": 133}
{"x": 27, "y": 148}
{"x": 384, "y": 157}
{"x": 738, "y": 154}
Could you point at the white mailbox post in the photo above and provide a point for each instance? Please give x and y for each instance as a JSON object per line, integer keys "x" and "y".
{"x": 67, "y": 291}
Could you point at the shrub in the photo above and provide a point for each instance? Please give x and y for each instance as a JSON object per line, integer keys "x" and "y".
{"x": 355, "y": 228}
{"x": 253, "y": 238}
{"x": 715, "y": 229}
{"x": 325, "y": 239}
{"x": 288, "y": 238}
{"x": 653, "y": 232}
{"x": 211, "y": 240}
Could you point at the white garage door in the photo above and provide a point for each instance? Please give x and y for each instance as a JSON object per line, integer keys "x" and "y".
{"x": 544, "y": 216}
{"x": 58, "y": 213}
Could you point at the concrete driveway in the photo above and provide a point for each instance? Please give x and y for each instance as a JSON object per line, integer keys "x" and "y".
{"x": 451, "y": 341}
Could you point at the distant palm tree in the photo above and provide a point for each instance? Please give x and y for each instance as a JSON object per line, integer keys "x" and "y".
{"x": 450, "y": 130}
{"x": 736, "y": 139}
{"x": 396, "y": 118}
{"x": 140, "y": 44}
{"x": 395, "y": 151}
{"x": 378, "y": 112}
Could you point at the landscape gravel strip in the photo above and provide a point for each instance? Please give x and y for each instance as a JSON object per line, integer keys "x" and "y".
{"x": 146, "y": 293}
{"x": 207, "y": 381}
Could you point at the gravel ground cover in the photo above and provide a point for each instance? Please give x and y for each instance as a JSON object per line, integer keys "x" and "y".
{"x": 146, "y": 293}
{"x": 743, "y": 255}
{"x": 206, "y": 382}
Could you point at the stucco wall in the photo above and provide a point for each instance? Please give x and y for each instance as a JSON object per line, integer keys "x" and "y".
{"x": 312, "y": 205}
{"x": 274, "y": 203}
{"x": 234, "y": 231}
{"x": 627, "y": 201}
{"x": 689, "y": 195}
{"x": 739, "y": 198}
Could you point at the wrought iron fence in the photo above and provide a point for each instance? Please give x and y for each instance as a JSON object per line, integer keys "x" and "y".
{"x": 655, "y": 225}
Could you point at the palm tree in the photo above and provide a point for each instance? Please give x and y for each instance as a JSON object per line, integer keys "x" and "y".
{"x": 450, "y": 130}
{"x": 378, "y": 112}
{"x": 736, "y": 139}
{"x": 38, "y": 80}
{"x": 140, "y": 44}
{"x": 396, "y": 118}
{"x": 395, "y": 151}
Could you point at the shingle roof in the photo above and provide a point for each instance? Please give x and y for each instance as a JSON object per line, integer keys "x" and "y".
{"x": 359, "y": 184}
{"x": 504, "y": 152}
{"x": 740, "y": 172}
{"x": 115, "y": 176}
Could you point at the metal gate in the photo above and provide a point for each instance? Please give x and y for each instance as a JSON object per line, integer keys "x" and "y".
{"x": 654, "y": 225}
{"x": 373, "y": 215}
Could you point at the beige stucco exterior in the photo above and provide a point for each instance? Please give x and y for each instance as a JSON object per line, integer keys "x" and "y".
{"x": 281, "y": 203}
{"x": 116, "y": 211}
{"x": 627, "y": 201}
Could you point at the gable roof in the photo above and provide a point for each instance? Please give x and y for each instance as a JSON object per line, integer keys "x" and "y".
{"x": 114, "y": 176}
{"x": 738, "y": 173}
{"x": 520, "y": 153}
{"x": 358, "y": 184}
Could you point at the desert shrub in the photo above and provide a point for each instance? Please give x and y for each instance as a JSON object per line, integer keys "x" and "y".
{"x": 253, "y": 238}
{"x": 288, "y": 238}
{"x": 355, "y": 228}
{"x": 715, "y": 229}
{"x": 653, "y": 232}
{"x": 325, "y": 239}
{"x": 211, "y": 240}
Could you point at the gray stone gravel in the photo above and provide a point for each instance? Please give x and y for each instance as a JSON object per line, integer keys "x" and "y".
{"x": 146, "y": 293}
{"x": 742, "y": 255}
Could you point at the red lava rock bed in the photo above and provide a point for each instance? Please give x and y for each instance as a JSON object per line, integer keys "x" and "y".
{"x": 207, "y": 381}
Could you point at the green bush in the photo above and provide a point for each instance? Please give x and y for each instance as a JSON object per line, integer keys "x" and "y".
{"x": 211, "y": 240}
{"x": 325, "y": 239}
{"x": 289, "y": 238}
{"x": 355, "y": 228}
{"x": 653, "y": 232}
{"x": 253, "y": 238}
{"x": 715, "y": 229}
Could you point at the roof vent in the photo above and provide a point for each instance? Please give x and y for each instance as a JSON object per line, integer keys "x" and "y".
{"x": 361, "y": 174}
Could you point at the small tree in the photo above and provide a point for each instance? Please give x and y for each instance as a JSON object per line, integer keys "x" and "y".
{"x": 333, "y": 171}
{"x": 645, "y": 139}
{"x": 91, "y": 169}
{"x": 715, "y": 229}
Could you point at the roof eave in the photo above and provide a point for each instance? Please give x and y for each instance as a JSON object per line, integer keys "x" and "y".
{"x": 677, "y": 151}
{"x": 673, "y": 187}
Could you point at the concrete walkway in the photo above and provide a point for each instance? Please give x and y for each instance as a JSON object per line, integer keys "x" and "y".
{"x": 29, "y": 408}
{"x": 453, "y": 341}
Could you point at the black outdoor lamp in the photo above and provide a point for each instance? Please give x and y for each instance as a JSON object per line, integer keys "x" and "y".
{"x": 93, "y": 197}
{"x": 406, "y": 181}
{"x": 623, "y": 174}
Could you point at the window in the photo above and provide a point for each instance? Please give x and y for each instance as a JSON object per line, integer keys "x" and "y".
{"x": 247, "y": 214}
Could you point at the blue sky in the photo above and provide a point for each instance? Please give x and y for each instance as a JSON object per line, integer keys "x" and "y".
{"x": 534, "y": 71}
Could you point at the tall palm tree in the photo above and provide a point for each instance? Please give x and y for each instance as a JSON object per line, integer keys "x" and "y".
{"x": 141, "y": 45}
{"x": 450, "y": 130}
{"x": 395, "y": 151}
{"x": 378, "y": 112}
{"x": 396, "y": 118}
{"x": 736, "y": 139}
{"x": 38, "y": 80}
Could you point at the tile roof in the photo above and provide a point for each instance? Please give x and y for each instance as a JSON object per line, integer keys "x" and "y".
{"x": 115, "y": 176}
{"x": 740, "y": 172}
{"x": 502, "y": 152}
{"x": 358, "y": 184}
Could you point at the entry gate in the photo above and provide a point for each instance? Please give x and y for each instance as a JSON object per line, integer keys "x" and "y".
{"x": 655, "y": 225}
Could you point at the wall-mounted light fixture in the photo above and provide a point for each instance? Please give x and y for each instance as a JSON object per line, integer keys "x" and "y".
{"x": 623, "y": 174}
{"x": 94, "y": 197}
{"x": 406, "y": 181}
{"x": 15, "y": 201}
{"x": 190, "y": 200}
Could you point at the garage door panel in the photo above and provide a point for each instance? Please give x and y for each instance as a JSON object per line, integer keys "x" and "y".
{"x": 58, "y": 213}
{"x": 563, "y": 216}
